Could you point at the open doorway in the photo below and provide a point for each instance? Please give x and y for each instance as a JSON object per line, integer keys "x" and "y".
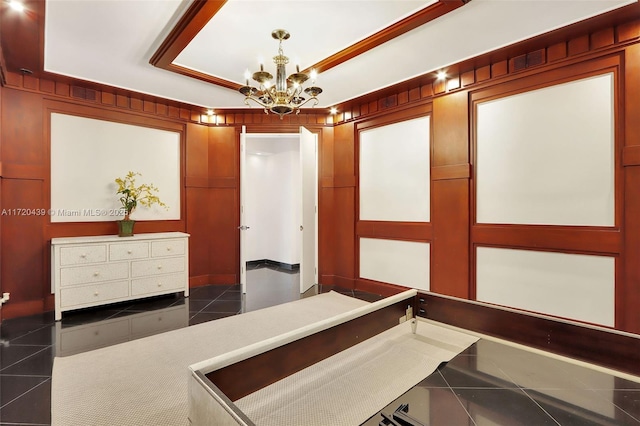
{"x": 278, "y": 237}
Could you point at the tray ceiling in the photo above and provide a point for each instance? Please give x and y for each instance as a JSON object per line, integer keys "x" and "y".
{"x": 112, "y": 41}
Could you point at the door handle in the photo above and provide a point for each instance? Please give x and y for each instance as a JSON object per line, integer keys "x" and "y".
{"x": 243, "y": 227}
{"x": 301, "y": 228}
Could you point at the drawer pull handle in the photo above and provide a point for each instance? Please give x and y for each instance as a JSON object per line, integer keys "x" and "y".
{"x": 159, "y": 284}
{"x": 168, "y": 248}
{"x": 83, "y": 256}
{"x": 95, "y": 293}
{"x": 95, "y": 274}
{"x": 95, "y": 333}
{"x": 159, "y": 266}
{"x": 129, "y": 251}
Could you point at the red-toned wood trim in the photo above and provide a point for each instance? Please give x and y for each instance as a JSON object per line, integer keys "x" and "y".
{"x": 551, "y": 48}
{"x": 557, "y": 75}
{"x": 540, "y": 237}
{"x": 223, "y": 182}
{"x": 338, "y": 181}
{"x": 377, "y": 287}
{"x": 631, "y": 155}
{"x": 3, "y": 72}
{"x": 628, "y": 296}
{"x": 457, "y": 171}
{"x": 276, "y": 364}
{"x": 203, "y": 76}
{"x": 189, "y": 25}
{"x": 344, "y": 282}
{"x": 24, "y": 171}
{"x": 16, "y": 309}
{"x": 196, "y": 182}
{"x": 201, "y": 12}
{"x": 618, "y": 351}
{"x": 327, "y": 281}
{"x": 407, "y": 24}
{"x": 407, "y": 231}
{"x": 223, "y": 279}
{"x": 407, "y": 113}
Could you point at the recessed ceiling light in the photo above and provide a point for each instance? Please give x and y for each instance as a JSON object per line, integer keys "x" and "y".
{"x": 16, "y": 5}
{"x": 333, "y": 110}
{"x": 442, "y": 75}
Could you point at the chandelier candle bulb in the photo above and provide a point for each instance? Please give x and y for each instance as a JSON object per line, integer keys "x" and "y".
{"x": 285, "y": 97}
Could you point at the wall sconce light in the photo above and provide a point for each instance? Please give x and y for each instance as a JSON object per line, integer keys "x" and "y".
{"x": 333, "y": 110}
{"x": 441, "y": 75}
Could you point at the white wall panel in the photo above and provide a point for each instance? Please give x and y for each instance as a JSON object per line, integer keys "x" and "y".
{"x": 573, "y": 286}
{"x": 395, "y": 172}
{"x": 87, "y": 155}
{"x": 396, "y": 262}
{"x": 547, "y": 156}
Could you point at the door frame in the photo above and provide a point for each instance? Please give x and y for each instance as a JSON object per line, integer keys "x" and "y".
{"x": 244, "y": 135}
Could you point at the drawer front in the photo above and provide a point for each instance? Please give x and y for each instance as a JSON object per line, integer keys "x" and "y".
{"x": 158, "y": 284}
{"x": 80, "y": 255}
{"x": 143, "y": 268}
{"x": 160, "y": 321}
{"x": 93, "y": 294}
{"x": 168, "y": 247}
{"x": 126, "y": 251}
{"x": 93, "y": 274}
{"x": 95, "y": 336}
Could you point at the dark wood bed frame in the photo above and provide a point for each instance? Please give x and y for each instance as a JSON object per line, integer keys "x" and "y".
{"x": 276, "y": 364}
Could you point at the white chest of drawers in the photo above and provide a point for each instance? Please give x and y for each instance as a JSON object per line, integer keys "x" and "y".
{"x": 92, "y": 271}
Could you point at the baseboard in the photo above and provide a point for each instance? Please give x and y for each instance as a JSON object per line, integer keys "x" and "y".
{"x": 377, "y": 287}
{"x": 287, "y": 266}
{"x": 596, "y": 345}
{"x": 338, "y": 281}
{"x": 198, "y": 281}
{"x": 228, "y": 279}
{"x": 14, "y": 309}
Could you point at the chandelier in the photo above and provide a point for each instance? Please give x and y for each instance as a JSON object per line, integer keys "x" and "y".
{"x": 286, "y": 96}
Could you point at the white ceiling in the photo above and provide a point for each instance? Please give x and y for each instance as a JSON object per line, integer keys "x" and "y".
{"x": 111, "y": 41}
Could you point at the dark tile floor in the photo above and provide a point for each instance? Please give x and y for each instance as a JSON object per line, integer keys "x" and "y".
{"x": 491, "y": 383}
{"x": 488, "y": 384}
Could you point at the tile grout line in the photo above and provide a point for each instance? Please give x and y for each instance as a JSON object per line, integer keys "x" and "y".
{"x": 26, "y": 392}
{"x": 25, "y": 358}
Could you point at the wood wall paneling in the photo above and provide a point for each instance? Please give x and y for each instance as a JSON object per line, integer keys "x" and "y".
{"x": 613, "y": 350}
{"x": 408, "y": 231}
{"x": 199, "y": 230}
{"x": 450, "y": 244}
{"x": 326, "y": 226}
{"x": 2, "y": 79}
{"x": 23, "y": 247}
{"x": 450, "y": 202}
{"x": 22, "y": 120}
{"x": 223, "y": 205}
{"x": 197, "y": 198}
{"x": 628, "y": 292}
{"x": 197, "y": 151}
{"x": 344, "y": 206}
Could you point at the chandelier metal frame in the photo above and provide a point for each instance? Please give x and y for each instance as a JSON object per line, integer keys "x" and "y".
{"x": 285, "y": 96}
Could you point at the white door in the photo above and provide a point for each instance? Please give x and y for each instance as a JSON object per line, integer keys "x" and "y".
{"x": 243, "y": 225}
{"x": 308, "y": 185}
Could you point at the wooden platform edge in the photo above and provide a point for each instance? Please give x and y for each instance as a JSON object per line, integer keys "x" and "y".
{"x": 596, "y": 345}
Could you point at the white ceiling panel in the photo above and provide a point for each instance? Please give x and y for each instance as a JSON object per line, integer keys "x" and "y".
{"x": 112, "y": 41}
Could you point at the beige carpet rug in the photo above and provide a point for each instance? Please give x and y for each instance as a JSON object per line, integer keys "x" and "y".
{"x": 144, "y": 382}
{"x": 353, "y": 385}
